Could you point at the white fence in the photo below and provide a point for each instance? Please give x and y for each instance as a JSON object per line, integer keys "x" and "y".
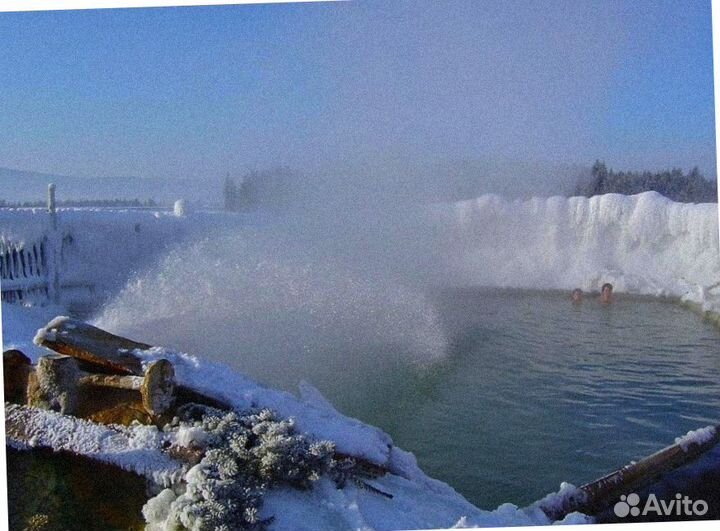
{"x": 81, "y": 256}
{"x": 30, "y": 270}
{"x": 24, "y": 270}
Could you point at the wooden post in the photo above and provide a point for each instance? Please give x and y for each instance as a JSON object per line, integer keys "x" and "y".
{"x": 55, "y": 384}
{"x": 55, "y": 241}
{"x": 51, "y": 204}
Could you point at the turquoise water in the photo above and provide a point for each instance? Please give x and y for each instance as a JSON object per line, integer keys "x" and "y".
{"x": 535, "y": 391}
{"x": 532, "y": 390}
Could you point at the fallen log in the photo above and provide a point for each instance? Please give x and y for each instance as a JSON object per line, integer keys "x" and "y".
{"x": 99, "y": 351}
{"x": 96, "y": 349}
{"x": 596, "y": 496}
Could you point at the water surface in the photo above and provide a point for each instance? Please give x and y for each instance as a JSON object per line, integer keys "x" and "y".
{"x": 536, "y": 391}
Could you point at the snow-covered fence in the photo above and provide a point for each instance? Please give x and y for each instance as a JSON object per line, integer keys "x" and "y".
{"x": 24, "y": 270}
{"x": 30, "y": 269}
{"x": 91, "y": 252}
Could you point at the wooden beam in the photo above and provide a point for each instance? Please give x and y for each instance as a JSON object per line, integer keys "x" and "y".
{"x": 100, "y": 351}
{"x": 96, "y": 349}
{"x": 598, "y": 495}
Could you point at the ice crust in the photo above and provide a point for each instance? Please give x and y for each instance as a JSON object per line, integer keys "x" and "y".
{"x": 643, "y": 244}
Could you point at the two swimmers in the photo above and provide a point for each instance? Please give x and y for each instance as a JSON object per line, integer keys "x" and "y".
{"x": 606, "y": 294}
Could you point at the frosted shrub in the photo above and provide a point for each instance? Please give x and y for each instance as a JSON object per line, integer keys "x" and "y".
{"x": 244, "y": 456}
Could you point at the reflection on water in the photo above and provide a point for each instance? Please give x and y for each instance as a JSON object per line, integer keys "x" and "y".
{"x": 537, "y": 391}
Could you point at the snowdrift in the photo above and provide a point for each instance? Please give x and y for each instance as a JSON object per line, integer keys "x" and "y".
{"x": 643, "y": 244}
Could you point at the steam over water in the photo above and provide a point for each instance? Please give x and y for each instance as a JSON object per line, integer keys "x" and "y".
{"x": 502, "y": 394}
{"x": 278, "y": 310}
{"x": 326, "y": 291}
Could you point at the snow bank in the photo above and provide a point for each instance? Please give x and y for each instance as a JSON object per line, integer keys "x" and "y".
{"x": 136, "y": 449}
{"x": 643, "y": 244}
{"x": 350, "y": 436}
{"x": 412, "y": 507}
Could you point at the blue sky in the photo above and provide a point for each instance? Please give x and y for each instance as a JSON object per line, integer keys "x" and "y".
{"x": 182, "y": 92}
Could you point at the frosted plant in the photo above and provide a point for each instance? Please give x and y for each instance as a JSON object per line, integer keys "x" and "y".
{"x": 244, "y": 455}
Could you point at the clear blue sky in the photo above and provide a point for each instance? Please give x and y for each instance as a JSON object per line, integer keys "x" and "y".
{"x": 201, "y": 91}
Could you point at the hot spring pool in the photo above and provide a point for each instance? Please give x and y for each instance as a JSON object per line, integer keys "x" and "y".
{"x": 536, "y": 391}
{"x": 528, "y": 392}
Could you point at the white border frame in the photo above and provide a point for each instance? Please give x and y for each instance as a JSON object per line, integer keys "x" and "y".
{"x": 48, "y": 5}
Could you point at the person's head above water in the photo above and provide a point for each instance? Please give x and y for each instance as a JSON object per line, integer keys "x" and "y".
{"x": 577, "y": 296}
{"x": 606, "y": 293}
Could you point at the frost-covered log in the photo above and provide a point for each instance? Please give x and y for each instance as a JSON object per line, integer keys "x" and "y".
{"x": 594, "y": 497}
{"x": 94, "y": 347}
{"x": 99, "y": 351}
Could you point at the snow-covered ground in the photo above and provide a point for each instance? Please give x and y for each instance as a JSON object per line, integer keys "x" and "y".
{"x": 105, "y": 247}
{"x": 642, "y": 244}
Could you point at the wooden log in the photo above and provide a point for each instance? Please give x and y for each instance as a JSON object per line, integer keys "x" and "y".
{"x": 598, "y": 495}
{"x": 101, "y": 351}
{"x": 59, "y": 383}
{"x": 96, "y": 349}
{"x": 156, "y": 386}
{"x": 16, "y": 371}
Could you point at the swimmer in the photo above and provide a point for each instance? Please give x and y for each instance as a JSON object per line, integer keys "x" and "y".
{"x": 606, "y": 293}
{"x": 577, "y": 296}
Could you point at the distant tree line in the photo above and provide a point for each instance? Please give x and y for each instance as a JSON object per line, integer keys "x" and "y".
{"x": 130, "y": 203}
{"x": 267, "y": 189}
{"x": 674, "y": 184}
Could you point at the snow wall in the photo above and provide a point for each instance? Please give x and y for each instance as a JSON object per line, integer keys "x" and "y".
{"x": 642, "y": 244}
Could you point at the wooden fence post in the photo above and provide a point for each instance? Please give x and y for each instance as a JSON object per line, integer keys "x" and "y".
{"x": 55, "y": 242}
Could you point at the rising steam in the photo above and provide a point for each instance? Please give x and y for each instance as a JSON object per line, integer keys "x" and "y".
{"x": 277, "y": 310}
